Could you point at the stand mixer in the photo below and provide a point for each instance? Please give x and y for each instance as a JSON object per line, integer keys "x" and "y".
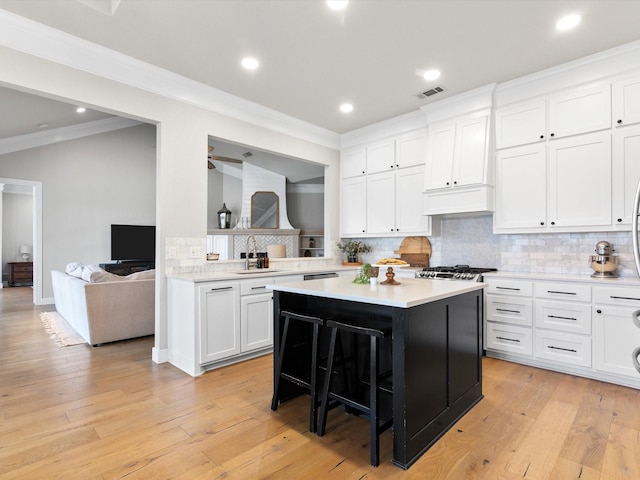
{"x": 604, "y": 263}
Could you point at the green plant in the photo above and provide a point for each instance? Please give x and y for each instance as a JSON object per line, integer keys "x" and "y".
{"x": 352, "y": 248}
{"x": 364, "y": 274}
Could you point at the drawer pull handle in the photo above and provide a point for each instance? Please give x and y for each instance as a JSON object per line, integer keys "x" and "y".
{"x": 221, "y": 289}
{"x": 562, "y": 318}
{"x": 634, "y": 359}
{"x": 508, "y": 311}
{"x": 563, "y": 349}
{"x": 561, "y": 293}
{"x": 625, "y": 298}
{"x": 508, "y": 288}
{"x": 635, "y": 318}
{"x": 509, "y": 339}
{"x": 261, "y": 287}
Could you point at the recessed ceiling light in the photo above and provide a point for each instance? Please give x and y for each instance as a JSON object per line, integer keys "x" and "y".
{"x": 81, "y": 110}
{"x": 568, "y": 22}
{"x": 250, "y": 63}
{"x": 346, "y": 108}
{"x": 337, "y": 4}
{"x": 431, "y": 74}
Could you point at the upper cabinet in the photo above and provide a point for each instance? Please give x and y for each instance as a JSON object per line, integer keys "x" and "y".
{"x": 381, "y": 187}
{"x": 580, "y": 110}
{"x": 626, "y": 100}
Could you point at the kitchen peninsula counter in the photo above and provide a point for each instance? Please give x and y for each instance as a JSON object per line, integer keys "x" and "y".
{"x": 436, "y": 347}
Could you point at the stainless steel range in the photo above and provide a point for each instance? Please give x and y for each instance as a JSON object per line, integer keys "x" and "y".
{"x": 459, "y": 272}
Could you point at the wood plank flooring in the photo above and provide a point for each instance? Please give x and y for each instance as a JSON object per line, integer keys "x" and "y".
{"x": 110, "y": 412}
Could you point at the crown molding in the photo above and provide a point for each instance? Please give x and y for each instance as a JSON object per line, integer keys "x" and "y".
{"x": 62, "y": 134}
{"x": 22, "y": 34}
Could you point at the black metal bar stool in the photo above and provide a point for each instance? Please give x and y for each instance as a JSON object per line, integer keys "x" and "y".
{"x": 331, "y": 398}
{"x": 308, "y": 378}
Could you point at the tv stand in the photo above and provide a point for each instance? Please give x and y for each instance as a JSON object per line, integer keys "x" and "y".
{"x": 127, "y": 268}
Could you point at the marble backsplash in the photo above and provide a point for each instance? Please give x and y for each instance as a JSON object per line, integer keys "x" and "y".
{"x": 471, "y": 241}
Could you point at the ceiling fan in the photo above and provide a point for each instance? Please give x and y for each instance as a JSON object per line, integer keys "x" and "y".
{"x": 219, "y": 158}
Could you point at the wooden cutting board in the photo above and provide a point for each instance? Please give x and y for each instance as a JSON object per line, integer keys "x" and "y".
{"x": 415, "y": 245}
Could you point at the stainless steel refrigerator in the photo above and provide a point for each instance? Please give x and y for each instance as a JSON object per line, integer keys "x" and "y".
{"x": 635, "y": 316}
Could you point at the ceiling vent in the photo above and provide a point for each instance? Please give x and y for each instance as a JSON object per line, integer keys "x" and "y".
{"x": 431, "y": 92}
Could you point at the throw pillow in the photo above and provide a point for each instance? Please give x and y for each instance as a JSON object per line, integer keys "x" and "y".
{"x": 88, "y": 270}
{"x": 74, "y": 269}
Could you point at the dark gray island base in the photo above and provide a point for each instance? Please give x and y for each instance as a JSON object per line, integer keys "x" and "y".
{"x": 436, "y": 361}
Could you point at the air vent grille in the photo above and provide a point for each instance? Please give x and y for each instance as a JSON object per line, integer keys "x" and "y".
{"x": 429, "y": 93}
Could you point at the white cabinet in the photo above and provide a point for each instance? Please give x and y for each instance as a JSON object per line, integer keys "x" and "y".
{"x": 580, "y": 181}
{"x": 616, "y": 313}
{"x": 256, "y": 317}
{"x": 457, "y": 154}
{"x": 584, "y": 327}
{"x": 562, "y": 186}
{"x": 353, "y": 162}
{"x": 572, "y": 112}
{"x": 625, "y": 173}
{"x": 387, "y": 199}
{"x": 219, "y": 320}
{"x": 457, "y": 173}
{"x": 626, "y": 100}
{"x": 353, "y": 206}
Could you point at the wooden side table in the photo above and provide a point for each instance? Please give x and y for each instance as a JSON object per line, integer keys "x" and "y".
{"x": 20, "y": 273}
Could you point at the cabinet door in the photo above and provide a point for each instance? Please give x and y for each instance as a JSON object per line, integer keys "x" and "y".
{"x": 626, "y": 100}
{"x": 580, "y": 181}
{"x": 440, "y": 149}
{"x": 381, "y": 203}
{"x": 256, "y": 321}
{"x": 381, "y": 156}
{"x": 353, "y": 162}
{"x": 616, "y": 338}
{"x": 353, "y": 206}
{"x": 521, "y": 188}
{"x": 411, "y": 149}
{"x": 409, "y": 217}
{"x": 626, "y": 172}
{"x": 470, "y": 152}
{"x": 580, "y": 111}
{"x": 521, "y": 124}
{"x": 219, "y": 321}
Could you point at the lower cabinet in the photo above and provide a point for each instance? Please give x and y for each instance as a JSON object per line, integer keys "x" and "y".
{"x": 219, "y": 321}
{"x": 584, "y": 328}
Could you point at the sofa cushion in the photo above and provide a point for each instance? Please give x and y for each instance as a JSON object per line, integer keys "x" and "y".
{"x": 143, "y": 275}
{"x": 74, "y": 269}
{"x": 102, "y": 276}
{"x": 88, "y": 270}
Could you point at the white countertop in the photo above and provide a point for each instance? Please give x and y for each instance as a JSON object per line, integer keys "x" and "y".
{"x": 239, "y": 274}
{"x": 410, "y": 292}
{"x": 616, "y": 281}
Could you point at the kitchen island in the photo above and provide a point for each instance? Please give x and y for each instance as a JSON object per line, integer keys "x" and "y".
{"x": 436, "y": 344}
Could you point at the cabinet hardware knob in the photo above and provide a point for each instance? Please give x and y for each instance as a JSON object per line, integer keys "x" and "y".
{"x": 541, "y": 137}
{"x": 541, "y": 223}
{"x": 599, "y": 311}
{"x": 455, "y": 183}
{"x": 553, "y": 134}
{"x": 553, "y": 223}
{"x": 619, "y": 220}
{"x": 448, "y": 184}
{"x": 390, "y": 166}
{"x": 619, "y": 121}
{"x": 397, "y": 165}
{"x": 363, "y": 172}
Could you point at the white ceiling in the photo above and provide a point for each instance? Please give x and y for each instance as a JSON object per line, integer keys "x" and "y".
{"x": 313, "y": 59}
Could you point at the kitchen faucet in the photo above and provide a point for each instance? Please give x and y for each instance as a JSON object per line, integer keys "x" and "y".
{"x": 247, "y": 263}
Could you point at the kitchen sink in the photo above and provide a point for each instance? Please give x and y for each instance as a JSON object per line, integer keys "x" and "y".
{"x": 257, "y": 270}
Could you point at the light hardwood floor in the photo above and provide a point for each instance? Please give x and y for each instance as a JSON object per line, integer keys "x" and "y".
{"x": 110, "y": 412}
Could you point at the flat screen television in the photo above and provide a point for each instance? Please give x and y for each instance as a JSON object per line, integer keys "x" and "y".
{"x": 133, "y": 242}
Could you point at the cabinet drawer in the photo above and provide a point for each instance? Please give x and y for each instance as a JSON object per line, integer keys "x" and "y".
{"x": 564, "y": 316}
{"x": 510, "y": 287}
{"x": 252, "y": 287}
{"x": 563, "y": 291}
{"x": 563, "y": 347}
{"x": 510, "y": 310}
{"x": 625, "y": 296}
{"x": 509, "y": 338}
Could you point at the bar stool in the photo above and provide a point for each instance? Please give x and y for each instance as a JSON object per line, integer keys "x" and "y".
{"x": 307, "y": 379}
{"x": 331, "y": 399}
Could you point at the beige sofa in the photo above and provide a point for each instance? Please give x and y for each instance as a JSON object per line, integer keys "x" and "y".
{"x": 104, "y": 308}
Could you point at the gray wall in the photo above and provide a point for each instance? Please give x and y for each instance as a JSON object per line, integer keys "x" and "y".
{"x": 88, "y": 184}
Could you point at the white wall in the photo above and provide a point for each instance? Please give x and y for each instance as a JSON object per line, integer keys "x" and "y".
{"x": 87, "y": 185}
{"x": 17, "y": 226}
